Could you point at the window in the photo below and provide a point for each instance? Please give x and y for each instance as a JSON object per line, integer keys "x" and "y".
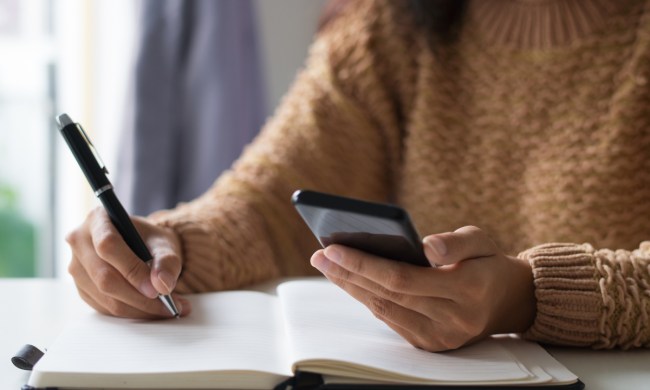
{"x": 27, "y": 74}
{"x": 57, "y": 56}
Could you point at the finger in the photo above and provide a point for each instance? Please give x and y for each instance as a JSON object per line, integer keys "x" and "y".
{"x": 117, "y": 297}
{"x": 390, "y": 275}
{"x": 108, "y": 310}
{"x": 102, "y": 303}
{"x": 426, "y": 305}
{"x": 108, "y": 287}
{"x": 166, "y": 264}
{"x": 110, "y": 247}
{"x": 343, "y": 276}
{"x": 185, "y": 307}
{"x": 438, "y": 310}
{"x": 416, "y": 328}
{"x": 468, "y": 242}
{"x": 434, "y": 332}
{"x": 114, "y": 307}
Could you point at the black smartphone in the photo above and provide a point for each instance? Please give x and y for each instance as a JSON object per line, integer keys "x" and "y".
{"x": 380, "y": 229}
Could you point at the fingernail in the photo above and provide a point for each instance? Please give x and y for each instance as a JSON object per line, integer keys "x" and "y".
{"x": 147, "y": 289}
{"x": 167, "y": 280}
{"x": 436, "y": 245}
{"x": 320, "y": 262}
{"x": 333, "y": 254}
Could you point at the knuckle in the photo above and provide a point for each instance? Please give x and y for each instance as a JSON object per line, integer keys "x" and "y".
{"x": 105, "y": 242}
{"x": 390, "y": 294}
{"x": 380, "y": 307}
{"x": 105, "y": 280}
{"x": 341, "y": 273}
{"x": 73, "y": 267}
{"x": 398, "y": 279}
{"x": 339, "y": 282}
{"x": 115, "y": 307}
{"x": 357, "y": 265}
{"x": 72, "y": 238}
{"x": 134, "y": 271}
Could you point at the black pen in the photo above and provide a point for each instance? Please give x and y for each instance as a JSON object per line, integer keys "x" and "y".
{"x": 93, "y": 167}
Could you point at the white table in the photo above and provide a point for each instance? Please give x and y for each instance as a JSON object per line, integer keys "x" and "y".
{"x": 34, "y": 311}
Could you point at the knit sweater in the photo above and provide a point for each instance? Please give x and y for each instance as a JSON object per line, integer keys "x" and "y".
{"x": 533, "y": 125}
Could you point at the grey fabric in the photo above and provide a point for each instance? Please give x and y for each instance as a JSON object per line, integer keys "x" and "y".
{"x": 198, "y": 99}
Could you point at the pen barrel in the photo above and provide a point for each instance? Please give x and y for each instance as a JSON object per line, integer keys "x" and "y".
{"x": 79, "y": 146}
{"x": 122, "y": 222}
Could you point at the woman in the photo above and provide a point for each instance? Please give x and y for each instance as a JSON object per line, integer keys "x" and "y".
{"x": 528, "y": 119}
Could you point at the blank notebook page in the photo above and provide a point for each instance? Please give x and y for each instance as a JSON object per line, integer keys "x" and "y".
{"x": 226, "y": 331}
{"x": 324, "y": 323}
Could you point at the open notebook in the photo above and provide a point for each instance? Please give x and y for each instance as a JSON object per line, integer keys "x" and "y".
{"x": 248, "y": 339}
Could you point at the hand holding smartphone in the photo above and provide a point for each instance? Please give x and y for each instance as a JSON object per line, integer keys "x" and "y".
{"x": 380, "y": 229}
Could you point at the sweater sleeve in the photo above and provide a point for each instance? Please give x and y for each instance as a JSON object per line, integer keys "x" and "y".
{"x": 326, "y": 136}
{"x": 588, "y": 297}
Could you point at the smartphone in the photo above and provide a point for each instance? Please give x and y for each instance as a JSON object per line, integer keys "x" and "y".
{"x": 380, "y": 229}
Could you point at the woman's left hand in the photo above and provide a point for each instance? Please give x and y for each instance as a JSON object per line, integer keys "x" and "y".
{"x": 475, "y": 292}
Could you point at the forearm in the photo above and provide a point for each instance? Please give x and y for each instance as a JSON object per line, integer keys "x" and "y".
{"x": 336, "y": 131}
{"x": 587, "y": 297}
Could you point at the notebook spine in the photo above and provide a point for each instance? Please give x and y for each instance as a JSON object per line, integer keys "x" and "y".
{"x": 301, "y": 381}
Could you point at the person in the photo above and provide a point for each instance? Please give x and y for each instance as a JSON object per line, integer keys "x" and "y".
{"x": 517, "y": 137}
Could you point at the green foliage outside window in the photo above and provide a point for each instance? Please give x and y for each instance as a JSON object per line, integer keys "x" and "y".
{"x": 17, "y": 238}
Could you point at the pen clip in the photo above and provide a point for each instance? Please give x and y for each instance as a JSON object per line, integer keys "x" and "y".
{"x": 99, "y": 160}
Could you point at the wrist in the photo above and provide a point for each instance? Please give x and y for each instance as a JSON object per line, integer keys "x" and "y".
{"x": 527, "y": 303}
{"x": 519, "y": 304}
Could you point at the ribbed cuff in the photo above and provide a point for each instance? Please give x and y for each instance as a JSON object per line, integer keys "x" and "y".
{"x": 569, "y": 303}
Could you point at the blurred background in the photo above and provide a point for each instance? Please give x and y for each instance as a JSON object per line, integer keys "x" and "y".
{"x": 169, "y": 92}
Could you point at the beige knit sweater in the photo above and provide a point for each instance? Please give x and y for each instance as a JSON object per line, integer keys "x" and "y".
{"x": 534, "y": 126}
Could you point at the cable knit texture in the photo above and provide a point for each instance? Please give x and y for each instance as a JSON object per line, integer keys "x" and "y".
{"x": 536, "y": 132}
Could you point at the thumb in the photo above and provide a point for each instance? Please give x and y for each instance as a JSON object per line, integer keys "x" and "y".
{"x": 165, "y": 269}
{"x": 164, "y": 245}
{"x": 468, "y": 242}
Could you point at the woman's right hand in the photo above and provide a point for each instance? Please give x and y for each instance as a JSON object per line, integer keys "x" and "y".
{"x": 113, "y": 280}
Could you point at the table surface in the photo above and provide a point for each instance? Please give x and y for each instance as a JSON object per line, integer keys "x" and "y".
{"x": 36, "y": 310}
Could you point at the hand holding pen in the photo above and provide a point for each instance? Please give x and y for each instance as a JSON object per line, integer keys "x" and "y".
{"x": 113, "y": 268}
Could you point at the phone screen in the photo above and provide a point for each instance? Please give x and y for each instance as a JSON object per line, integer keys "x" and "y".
{"x": 380, "y": 229}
